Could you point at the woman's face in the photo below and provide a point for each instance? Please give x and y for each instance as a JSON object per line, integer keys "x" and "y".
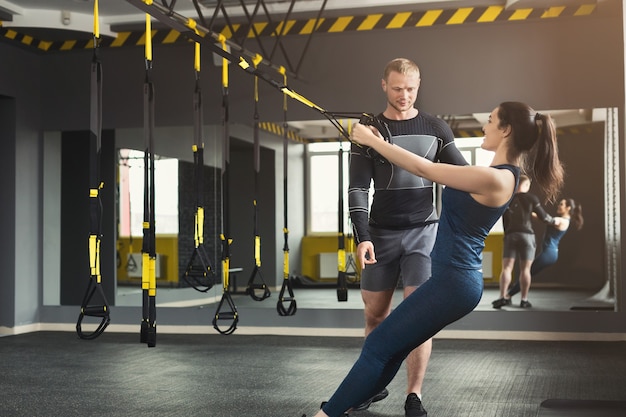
{"x": 562, "y": 208}
{"x": 493, "y": 133}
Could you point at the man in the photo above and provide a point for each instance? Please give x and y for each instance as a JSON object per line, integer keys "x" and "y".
{"x": 399, "y": 230}
{"x": 519, "y": 241}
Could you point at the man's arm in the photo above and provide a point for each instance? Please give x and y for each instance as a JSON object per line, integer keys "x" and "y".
{"x": 361, "y": 173}
{"x": 538, "y": 209}
{"x": 448, "y": 153}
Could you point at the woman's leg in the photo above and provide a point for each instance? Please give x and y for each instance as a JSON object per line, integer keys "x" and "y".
{"x": 445, "y": 298}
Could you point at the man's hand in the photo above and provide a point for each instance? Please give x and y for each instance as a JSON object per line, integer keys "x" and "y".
{"x": 365, "y": 253}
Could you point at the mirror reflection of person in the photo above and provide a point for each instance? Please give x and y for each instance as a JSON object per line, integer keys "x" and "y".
{"x": 568, "y": 213}
{"x": 519, "y": 241}
{"x": 474, "y": 198}
{"x": 400, "y": 227}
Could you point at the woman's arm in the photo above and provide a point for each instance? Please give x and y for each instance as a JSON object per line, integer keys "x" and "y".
{"x": 481, "y": 181}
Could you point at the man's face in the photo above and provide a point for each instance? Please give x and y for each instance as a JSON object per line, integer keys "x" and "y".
{"x": 401, "y": 90}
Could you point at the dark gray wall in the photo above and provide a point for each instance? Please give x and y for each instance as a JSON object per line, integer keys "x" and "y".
{"x": 572, "y": 62}
{"x": 7, "y": 211}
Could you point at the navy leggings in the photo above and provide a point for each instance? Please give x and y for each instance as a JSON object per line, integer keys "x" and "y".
{"x": 450, "y": 294}
{"x": 547, "y": 257}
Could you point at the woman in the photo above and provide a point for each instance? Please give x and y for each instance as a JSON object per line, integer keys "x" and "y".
{"x": 473, "y": 200}
{"x": 567, "y": 212}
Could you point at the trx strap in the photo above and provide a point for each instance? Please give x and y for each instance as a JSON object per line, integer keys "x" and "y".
{"x": 255, "y": 285}
{"x": 95, "y": 206}
{"x": 226, "y": 309}
{"x": 291, "y": 308}
{"x": 199, "y": 272}
{"x": 148, "y": 251}
{"x": 342, "y": 285}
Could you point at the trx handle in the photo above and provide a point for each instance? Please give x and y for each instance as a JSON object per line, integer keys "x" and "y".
{"x": 228, "y": 311}
{"x": 95, "y": 206}
{"x": 291, "y": 309}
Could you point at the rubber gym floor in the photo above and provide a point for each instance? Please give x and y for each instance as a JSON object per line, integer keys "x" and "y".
{"x": 57, "y": 374}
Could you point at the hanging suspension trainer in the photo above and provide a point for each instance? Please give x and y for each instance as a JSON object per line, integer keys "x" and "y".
{"x": 255, "y": 282}
{"x": 227, "y": 311}
{"x": 342, "y": 282}
{"x": 101, "y": 311}
{"x": 282, "y": 307}
{"x": 199, "y": 272}
{"x": 148, "y": 251}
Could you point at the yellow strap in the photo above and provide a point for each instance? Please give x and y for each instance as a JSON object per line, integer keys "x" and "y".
{"x": 257, "y": 250}
{"x": 93, "y": 252}
{"x": 285, "y": 264}
{"x": 145, "y": 271}
{"x": 96, "y": 25}
{"x": 225, "y": 63}
{"x": 148, "y": 35}
{"x": 152, "y": 276}
{"x": 341, "y": 260}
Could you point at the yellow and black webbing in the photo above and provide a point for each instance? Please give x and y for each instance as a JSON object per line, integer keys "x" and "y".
{"x": 88, "y": 306}
{"x": 256, "y": 287}
{"x": 286, "y": 304}
{"x": 148, "y": 251}
{"x": 226, "y": 309}
{"x": 199, "y": 271}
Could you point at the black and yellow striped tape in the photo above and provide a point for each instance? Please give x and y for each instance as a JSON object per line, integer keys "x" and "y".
{"x": 400, "y": 20}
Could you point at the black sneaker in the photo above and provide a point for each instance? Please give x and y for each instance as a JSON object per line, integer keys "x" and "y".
{"x": 321, "y": 406}
{"x": 378, "y": 397}
{"x": 413, "y": 406}
{"x": 525, "y": 304}
{"x": 501, "y": 302}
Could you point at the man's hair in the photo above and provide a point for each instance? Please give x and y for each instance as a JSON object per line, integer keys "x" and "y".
{"x": 401, "y": 65}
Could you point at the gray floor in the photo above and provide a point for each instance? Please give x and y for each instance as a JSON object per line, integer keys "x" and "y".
{"x": 56, "y": 374}
{"x": 543, "y": 299}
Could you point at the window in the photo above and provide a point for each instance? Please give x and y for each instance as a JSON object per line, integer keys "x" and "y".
{"x": 323, "y": 168}
{"x": 131, "y": 193}
{"x": 323, "y": 181}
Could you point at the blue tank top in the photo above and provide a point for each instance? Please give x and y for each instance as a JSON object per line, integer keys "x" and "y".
{"x": 552, "y": 237}
{"x": 460, "y": 241}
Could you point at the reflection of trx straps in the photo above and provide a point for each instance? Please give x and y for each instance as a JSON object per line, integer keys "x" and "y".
{"x": 342, "y": 286}
{"x": 148, "y": 251}
{"x": 282, "y": 299}
{"x": 226, "y": 311}
{"x": 199, "y": 272}
{"x": 95, "y": 206}
{"x": 253, "y": 284}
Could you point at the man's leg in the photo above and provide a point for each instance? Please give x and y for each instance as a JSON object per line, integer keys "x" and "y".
{"x": 417, "y": 361}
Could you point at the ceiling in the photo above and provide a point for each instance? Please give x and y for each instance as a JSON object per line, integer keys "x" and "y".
{"x": 60, "y": 20}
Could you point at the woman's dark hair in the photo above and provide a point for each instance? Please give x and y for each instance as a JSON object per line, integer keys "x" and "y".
{"x": 575, "y": 212}
{"x": 534, "y": 141}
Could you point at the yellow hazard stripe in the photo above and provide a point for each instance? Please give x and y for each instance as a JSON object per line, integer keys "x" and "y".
{"x": 377, "y": 21}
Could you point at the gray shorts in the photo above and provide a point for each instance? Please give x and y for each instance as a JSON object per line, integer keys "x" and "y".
{"x": 401, "y": 254}
{"x": 518, "y": 245}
